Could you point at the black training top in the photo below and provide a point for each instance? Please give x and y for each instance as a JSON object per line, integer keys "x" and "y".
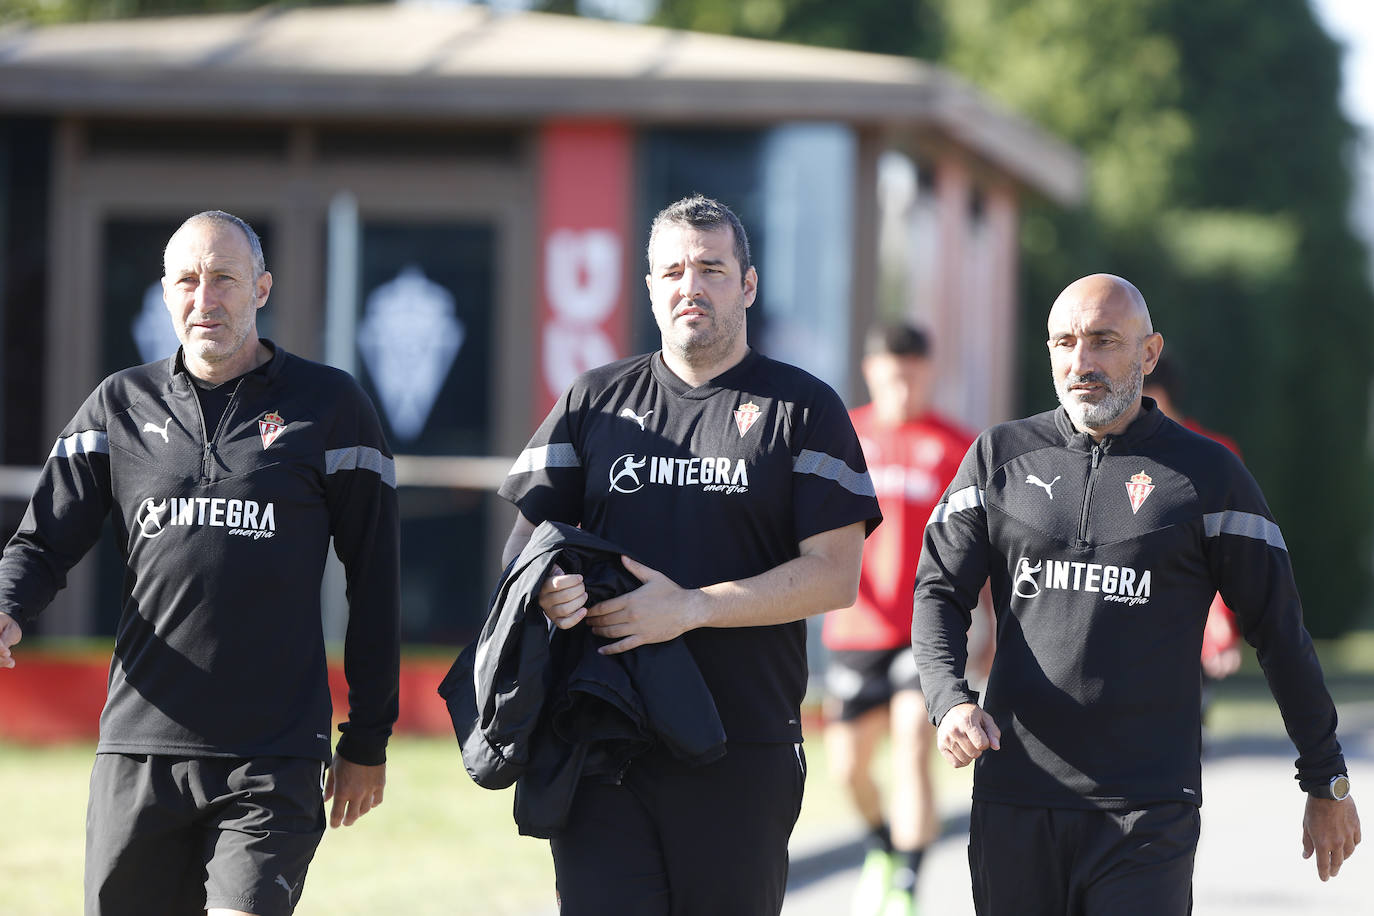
{"x": 1103, "y": 560}
{"x": 708, "y": 484}
{"x": 220, "y": 649}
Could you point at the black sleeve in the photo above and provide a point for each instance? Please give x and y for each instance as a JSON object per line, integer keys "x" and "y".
{"x": 830, "y": 484}
{"x": 951, "y": 573}
{"x": 1250, "y": 564}
{"x": 360, "y": 492}
{"x": 546, "y": 482}
{"x": 64, "y": 517}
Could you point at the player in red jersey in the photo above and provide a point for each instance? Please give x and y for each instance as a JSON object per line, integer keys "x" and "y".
{"x": 1221, "y": 639}
{"x": 871, "y": 681}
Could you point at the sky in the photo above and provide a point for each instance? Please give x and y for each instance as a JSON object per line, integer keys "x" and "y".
{"x": 1351, "y": 22}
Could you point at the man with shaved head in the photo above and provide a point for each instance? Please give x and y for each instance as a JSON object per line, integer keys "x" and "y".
{"x": 1105, "y": 529}
{"x": 225, "y": 471}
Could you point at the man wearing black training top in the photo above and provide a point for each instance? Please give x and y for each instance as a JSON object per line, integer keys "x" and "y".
{"x": 225, "y": 470}
{"x": 1106, "y": 529}
{"x": 740, "y": 483}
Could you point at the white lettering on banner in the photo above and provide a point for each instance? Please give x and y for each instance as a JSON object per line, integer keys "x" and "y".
{"x": 582, "y": 274}
{"x": 570, "y": 350}
{"x": 1120, "y": 584}
{"x": 243, "y": 517}
{"x": 582, "y": 282}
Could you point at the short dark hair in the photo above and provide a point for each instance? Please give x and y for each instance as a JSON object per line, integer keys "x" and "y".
{"x": 228, "y": 219}
{"x": 702, "y": 213}
{"x": 898, "y": 340}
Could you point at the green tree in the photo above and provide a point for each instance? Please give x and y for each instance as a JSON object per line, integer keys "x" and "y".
{"x": 880, "y": 26}
{"x": 44, "y": 12}
{"x": 1218, "y": 182}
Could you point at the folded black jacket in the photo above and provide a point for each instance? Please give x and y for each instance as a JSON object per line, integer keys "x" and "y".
{"x": 546, "y": 710}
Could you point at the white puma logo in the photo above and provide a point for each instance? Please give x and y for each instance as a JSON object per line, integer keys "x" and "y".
{"x": 1031, "y": 478}
{"x": 160, "y": 430}
{"x": 627, "y": 412}
{"x": 290, "y": 891}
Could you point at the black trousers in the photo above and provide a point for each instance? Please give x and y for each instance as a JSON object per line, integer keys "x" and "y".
{"x": 175, "y": 835}
{"x": 677, "y": 840}
{"x": 1070, "y": 862}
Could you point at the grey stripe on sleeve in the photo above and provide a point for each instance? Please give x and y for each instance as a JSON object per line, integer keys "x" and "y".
{"x": 832, "y": 468}
{"x": 361, "y": 458}
{"x": 556, "y": 455}
{"x": 959, "y": 500}
{"x": 1244, "y": 524}
{"x": 82, "y": 443}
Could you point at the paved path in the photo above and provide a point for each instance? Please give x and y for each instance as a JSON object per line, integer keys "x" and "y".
{"x": 1249, "y": 860}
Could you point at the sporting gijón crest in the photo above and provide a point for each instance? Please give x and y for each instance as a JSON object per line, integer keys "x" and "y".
{"x": 745, "y": 415}
{"x": 1138, "y": 490}
{"x": 270, "y": 427}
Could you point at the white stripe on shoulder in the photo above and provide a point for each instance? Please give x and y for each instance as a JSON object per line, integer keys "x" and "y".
{"x": 361, "y": 458}
{"x": 91, "y": 441}
{"x": 959, "y": 501}
{"x": 832, "y": 468}
{"x": 1244, "y": 524}
{"x": 555, "y": 455}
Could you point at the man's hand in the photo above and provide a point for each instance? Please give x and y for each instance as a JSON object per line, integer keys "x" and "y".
{"x": 1331, "y": 829}
{"x": 355, "y": 788}
{"x": 965, "y": 732}
{"x": 563, "y": 599}
{"x": 657, "y": 611}
{"x": 10, "y": 633}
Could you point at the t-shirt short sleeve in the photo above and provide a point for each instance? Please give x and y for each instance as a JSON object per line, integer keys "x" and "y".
{"x": 830, "y": 483}
{"x": 546, "y": 480}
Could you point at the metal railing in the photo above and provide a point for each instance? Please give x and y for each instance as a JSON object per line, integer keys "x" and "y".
{"x": 452, "y": 471}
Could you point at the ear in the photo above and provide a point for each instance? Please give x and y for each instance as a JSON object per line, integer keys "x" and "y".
{"x": 1154, "y": 346}
{"x": 751, "y": 286}
{"x": 263, "y": 288}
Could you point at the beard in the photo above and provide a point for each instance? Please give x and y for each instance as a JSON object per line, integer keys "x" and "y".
{"x": 706, "y": 344}
{"x": 1118, "y": 397}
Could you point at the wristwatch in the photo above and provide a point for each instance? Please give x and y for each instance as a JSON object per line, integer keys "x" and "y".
{"x": 1337, "y": 789}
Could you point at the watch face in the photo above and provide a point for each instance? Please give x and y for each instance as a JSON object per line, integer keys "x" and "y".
{"x": 1340, "y": 787}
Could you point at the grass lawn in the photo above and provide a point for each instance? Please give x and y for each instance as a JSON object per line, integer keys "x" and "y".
{"x": 440, "y": 845}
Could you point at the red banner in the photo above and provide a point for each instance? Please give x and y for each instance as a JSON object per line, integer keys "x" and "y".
{"x": 57, "y": 696}
{"x": 585, "y": 180}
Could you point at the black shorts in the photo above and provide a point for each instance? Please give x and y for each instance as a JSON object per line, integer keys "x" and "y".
{"x": 1137, "y": 862}
{"x": 198, "y": 832}
{"x": 858, "y": 680}
{"x": 676, "y": 840}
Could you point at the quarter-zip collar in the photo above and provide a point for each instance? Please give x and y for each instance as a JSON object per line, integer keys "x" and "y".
{"x": 180, "y": 377}
{"x": 1144, "y": 426}
{"x": 183, "y": 386}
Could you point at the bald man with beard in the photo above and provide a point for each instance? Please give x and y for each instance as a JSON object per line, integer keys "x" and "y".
{"x": 1104, "y": 529}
